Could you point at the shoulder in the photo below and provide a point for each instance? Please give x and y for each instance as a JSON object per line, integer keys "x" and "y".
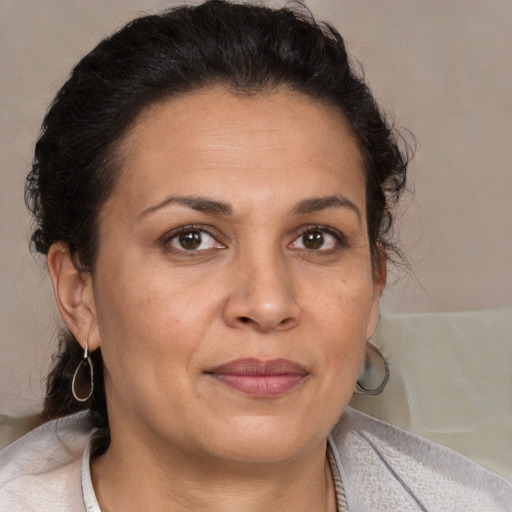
{"x": 41, "y": 471}
{"x": 384, "y": 466}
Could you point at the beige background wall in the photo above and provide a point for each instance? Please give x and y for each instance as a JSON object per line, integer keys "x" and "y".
{"x": 443, "y": 69}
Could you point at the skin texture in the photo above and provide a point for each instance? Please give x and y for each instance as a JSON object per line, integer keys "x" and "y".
{"x": 166, "y": 317}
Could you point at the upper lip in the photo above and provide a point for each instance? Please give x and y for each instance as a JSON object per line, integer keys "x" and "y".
{"x": 257, "y": 367}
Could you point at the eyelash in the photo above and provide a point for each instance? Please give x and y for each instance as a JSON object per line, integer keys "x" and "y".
{"x": 169, "y": 237}
{"x": 339, "y": 238}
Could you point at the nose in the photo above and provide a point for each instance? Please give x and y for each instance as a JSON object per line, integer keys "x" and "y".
{"x": 263, "y": 295}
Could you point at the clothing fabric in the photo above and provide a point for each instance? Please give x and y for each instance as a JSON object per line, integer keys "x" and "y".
{"x": 376, "y": 468}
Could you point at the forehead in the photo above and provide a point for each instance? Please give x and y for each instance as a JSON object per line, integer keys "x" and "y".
{"x": 212, "y": 139}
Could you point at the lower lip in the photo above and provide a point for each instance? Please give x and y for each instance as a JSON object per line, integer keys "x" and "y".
{"x": 260, "y": 386}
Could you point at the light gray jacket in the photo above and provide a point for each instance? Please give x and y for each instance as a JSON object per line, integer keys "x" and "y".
{"x": 382, "y": 469}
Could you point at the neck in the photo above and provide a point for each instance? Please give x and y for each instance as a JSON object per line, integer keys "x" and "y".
{"x": 140, "y": 478}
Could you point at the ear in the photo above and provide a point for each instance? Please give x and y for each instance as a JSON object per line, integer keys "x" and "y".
{"x": 379, "y": 281}
{"x": 74, "y": 295}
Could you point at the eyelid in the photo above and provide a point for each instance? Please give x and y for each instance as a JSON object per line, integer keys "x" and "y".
{"x": 338, "y": 235}
{"x": 172, "y": 234}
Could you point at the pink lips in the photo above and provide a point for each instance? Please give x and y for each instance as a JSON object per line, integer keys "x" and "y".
{"x": 261, "y": 379}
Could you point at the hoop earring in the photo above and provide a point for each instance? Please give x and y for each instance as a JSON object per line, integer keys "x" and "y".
{"x": 86, "y": 360}
{"x": 368, "y": 365}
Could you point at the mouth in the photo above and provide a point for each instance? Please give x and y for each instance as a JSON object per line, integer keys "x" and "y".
{"x": 260, "y": 379}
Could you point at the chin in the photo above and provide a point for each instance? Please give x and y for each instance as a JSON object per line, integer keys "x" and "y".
{"x": 268, "y": 440}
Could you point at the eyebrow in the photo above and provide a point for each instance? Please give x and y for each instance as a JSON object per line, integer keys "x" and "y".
{"x": 214, "y": 207}
{"x": 315, "y": 204}
{"x": 201, "y": 204}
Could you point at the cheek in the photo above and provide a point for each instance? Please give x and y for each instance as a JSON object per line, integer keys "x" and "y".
{"x": 344, "y": 305}
{"x": 342, "y": 318}
{"x": 147, "y": 342}
{"x": 150, "y": 315}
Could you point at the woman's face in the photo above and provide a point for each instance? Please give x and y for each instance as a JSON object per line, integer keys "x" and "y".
{"x": 233, "y": 289}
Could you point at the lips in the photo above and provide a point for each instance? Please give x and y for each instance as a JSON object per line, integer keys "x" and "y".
{"x": 261, "y": 379}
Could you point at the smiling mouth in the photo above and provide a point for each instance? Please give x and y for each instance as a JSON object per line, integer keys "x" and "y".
{"x": 260, "y": 379}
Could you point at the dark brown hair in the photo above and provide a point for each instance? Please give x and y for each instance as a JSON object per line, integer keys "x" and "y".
{"x": 247, "y": 49}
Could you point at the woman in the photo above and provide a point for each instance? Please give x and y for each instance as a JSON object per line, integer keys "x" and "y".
{"x": 213, "y": 189}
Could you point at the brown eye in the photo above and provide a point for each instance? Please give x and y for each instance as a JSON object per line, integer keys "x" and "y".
{"x": 313, "y": 239}
{"x": 321, "y": 240}
{"x": 190, "y": 240}
{"x": 196, "y": 240}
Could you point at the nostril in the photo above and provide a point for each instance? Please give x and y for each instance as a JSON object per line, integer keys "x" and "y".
{"x": 244, "y": 319}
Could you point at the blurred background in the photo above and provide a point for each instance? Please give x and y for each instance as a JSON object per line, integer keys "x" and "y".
{"x": 441, "y": 69}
